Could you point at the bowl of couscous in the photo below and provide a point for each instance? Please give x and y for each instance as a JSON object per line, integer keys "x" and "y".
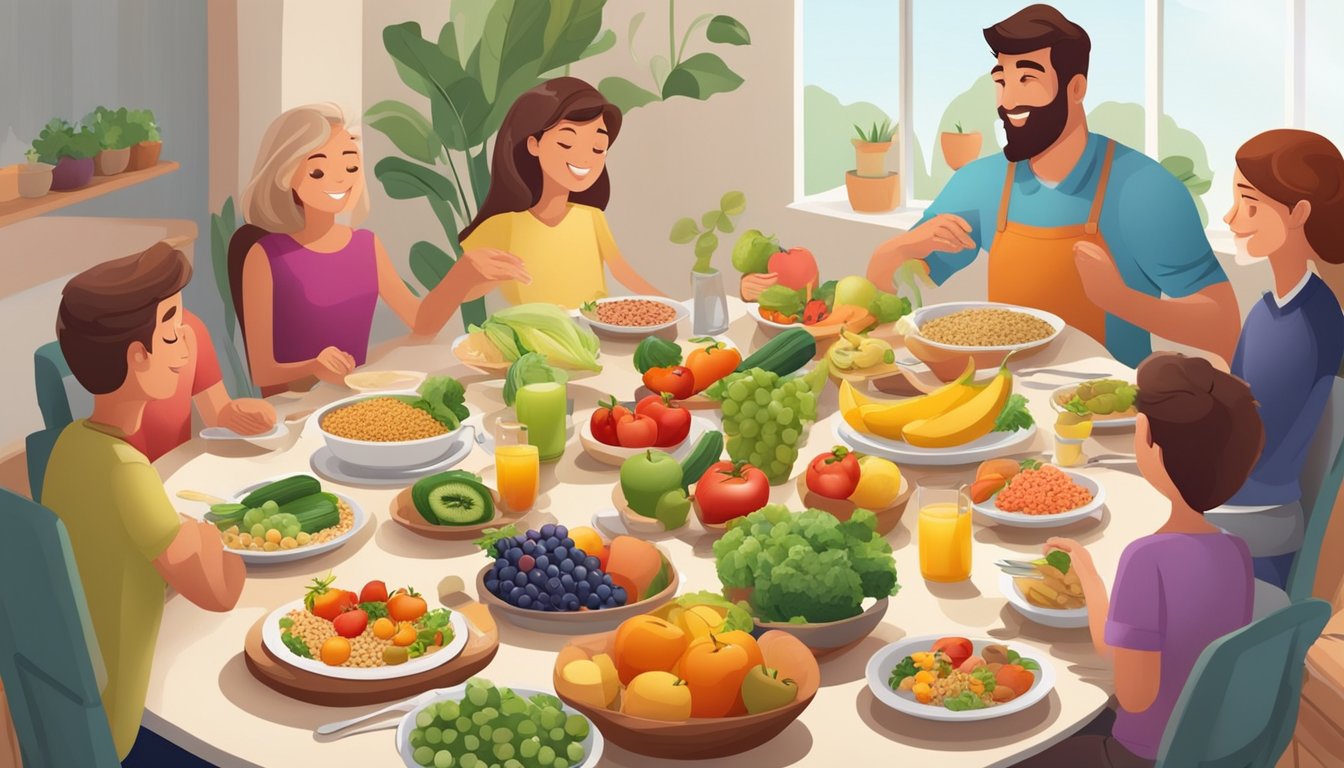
{"x": 385, "y": 431}
{"x": 943, "y": 336}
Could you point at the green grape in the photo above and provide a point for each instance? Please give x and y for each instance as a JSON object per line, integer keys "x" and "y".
{"x": 503, "y": 751}
{"x": 557, "y": 734}
{"x": 480, "y": 717}
{"x": 449, "y": 736}
{"x": 734, "y": 444}
{"x": 777, "y": 468}
{"x": 756, "y": 458}
{"x": 762, "y": 397}
{"x": 575, "y": 751}
{"x": 425, "y": 718}
{"x": 486, "y": 732}
{"x": 477, "y": 695}
{"x": 528, "y": 749}
{"x": 463, "y": 724}
{"x": 512, "y": 763}
{"x": 560, "y": 762}
{"x": 448, "y": 711}
{"x": 443, "y": 759}
{"x": 471, "y": 743}
{"x": 749, "y": 409}
{"x": 433, "y": 736}
{"x": 423, "y": 755}
{"x": 546, "y": 755}
{"x": 774, "y": 408}
{"x": 763, "y": 417}
{"x": 750, "y": 429}
{"x": 729, "y": 407}
{"x": 785, "y": 454}
{"x": 577, "y": 727}
{"x": 761, "y": 377}
{"x": 785, "y": 417}
{"x": 789, "y": 435}
{"x": 469, "y": 761}
{"x": 769, "y": 430}
{"x": 417, "y": 738}
{"x": 258, "y": 531}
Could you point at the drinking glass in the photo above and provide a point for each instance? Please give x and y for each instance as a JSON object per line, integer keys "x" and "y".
{"x": 1071, "y": 431}
{"x": 517, "y": 466}
{"x": 542, "y": 407}
{"x": 944, "y": 533}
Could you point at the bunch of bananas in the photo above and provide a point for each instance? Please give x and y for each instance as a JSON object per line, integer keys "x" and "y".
{"x": 853, "y": 352}
{"x": 952, "y": 415}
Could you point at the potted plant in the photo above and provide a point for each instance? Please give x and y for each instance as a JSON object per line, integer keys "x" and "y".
{"x": 34, "y": 176}
{"x": 960, "y": 147}
{"x": 709, "y": 311}
{"x": 71, "y": 151}
{"x": 871, "y": 188}
{"x": 114, "y": 153}
{"x": 144, "y": 139}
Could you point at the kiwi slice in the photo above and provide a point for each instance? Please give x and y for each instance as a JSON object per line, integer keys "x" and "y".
{"x": 450, "y": 499}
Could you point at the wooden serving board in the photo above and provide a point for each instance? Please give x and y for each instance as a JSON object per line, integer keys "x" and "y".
{"x": 331, "y": 692}
{"x": 404, "y": 514}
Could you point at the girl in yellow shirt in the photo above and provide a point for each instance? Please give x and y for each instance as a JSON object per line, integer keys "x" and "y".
{"x": 548, "y": 188}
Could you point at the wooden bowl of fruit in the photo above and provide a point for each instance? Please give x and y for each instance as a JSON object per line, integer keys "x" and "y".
{"x": 882, "y": 489}
{"x": 576, "y": 592}
{"x": 622, "y": 681}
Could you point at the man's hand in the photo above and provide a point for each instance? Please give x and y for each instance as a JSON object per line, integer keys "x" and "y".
{"x": 1101, "y": 279}
{"x": 332, "y": 364}
{"x": 754, "y": 285}
{"x": 946, "y": 232}
{"x": 248, "y": 416}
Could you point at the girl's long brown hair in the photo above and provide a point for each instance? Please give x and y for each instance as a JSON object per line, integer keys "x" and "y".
{"x": 1290, "y": 166}
{"x": 515, "y": 175}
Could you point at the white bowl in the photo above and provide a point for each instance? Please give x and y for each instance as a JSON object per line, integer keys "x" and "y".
{"x": 679, "y": 310}
{"x": 880, "y": 666}
{"x": 1099, "y": 421}
{"x": 1072, "y": 618}
{"x": 615, "y": 455}
{"x": 1021, "y": 520}
{"x": 403, "y": 454}
{"x": 925, "y": 314}
{"x": 270, "y": 637}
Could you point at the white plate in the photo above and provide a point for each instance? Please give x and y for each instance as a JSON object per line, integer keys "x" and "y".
{"x": 609, "y": 522}
{"x": 642, "y": 330}
{"x": 270, "y": 637}
{"x": 927, "y": 313}
{"x": 882, "y": 662}
{"x": 224, "y": 433}
{"x": 1097, "y": 422}
{"x": 592, "y": 746}
{"x": 388, "y": 456}
{"x": 1072, "y": 618}
{"x": 328, "y": 465}
{"x": 615, "y": 455}
{"x": 384, "y": 381}
{"x": 304, "y": 552}
{"x": 990, "y": 446}
{"x": 498, "y": 370}
{"x": 1020, "y": 520}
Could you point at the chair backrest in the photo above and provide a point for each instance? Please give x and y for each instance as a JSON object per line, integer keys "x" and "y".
{"x": 1322, "y": 475}
{"x": 49, "y": 659}
{"x": 1240, "y": 704}
{"x": 37, "y": 449}
{"x": 60, "y": 397}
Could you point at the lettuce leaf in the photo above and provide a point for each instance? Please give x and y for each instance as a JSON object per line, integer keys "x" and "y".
{"x": 1014, "y": 416}
{"x": 782, "y": 299}
{"x": 738, "y": 614}
{"x": 444, "y": 398}
{"x": 531, "y": 368}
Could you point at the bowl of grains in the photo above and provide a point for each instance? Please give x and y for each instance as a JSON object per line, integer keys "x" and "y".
{"x": 1044, "y": 497}
{"x": 943, "y": 336}
{"x": 385, "y": 431}
{"x": 632, "y": 315}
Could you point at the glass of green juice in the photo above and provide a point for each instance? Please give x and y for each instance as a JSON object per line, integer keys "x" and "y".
{"x": 543, "y": 408}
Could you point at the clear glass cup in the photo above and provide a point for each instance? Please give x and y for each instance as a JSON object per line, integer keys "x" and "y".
{"x": 944, "y": 533}
{"x": 517, "y": 466}
{"x": 1071, "y": 431}
{"x": 543, "y": 408}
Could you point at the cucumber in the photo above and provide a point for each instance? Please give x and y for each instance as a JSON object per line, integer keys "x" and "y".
{"x": 283, "y": 491}
{"x": 314, "y": 512}
{"x": 784, "y": 354}
{"x": 453, "y": 498}
{"x": 706, "y": 451}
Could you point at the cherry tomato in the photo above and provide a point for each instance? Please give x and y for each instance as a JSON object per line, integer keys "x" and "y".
{"x": 712, "y": 362}
{"x": 604, "y": 419}
{"x": 675, "y": 380}
{"x": 834, "y": 475}
{"x": 373, "y": 592}
{"x": 731, "y": 489}
{"x": 636, "y": 431}
{"x": 351, "y": 623}
{"x": 674, "y": 422}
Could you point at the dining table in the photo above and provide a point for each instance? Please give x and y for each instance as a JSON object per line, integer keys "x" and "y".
{"x": 203, "y": 697}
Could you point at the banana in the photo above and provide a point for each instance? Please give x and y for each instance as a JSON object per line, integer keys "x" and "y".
{"x": 889, "y": 420}
{"x": 968, "y": 421}
{"x": 850, "y": 402}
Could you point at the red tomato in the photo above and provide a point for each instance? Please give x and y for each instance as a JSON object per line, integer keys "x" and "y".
{"x": 834, "y": 475}
{"x": 675, "y": 380}
{"x": 958, "y": 649}
{"x": 636, "y": 431}
{"x": 731, "y": 489}
{"x": 712, "y": 362}
{"x": 604, "y": 420}
{"x": 351, "y": 623}
{"x": 373, "y": 592}
{"x": 674, "y": 422}
{"x": 406, "y": 605}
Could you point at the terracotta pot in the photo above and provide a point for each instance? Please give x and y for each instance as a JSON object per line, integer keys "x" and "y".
{"x": 873, "y": 195}
{"x": 110, "y": 162}
{"x": 34, "y": 179}
{"x": 960, "y": 148}
{"x": 145, "y": 155}
{"x": 870, "y": 158}
{"x": 71, "y": 173}
{"x": 9, "y": 183}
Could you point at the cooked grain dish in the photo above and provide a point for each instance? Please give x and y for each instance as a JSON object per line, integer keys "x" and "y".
{"x": 366, "y": 650}
{"x": 381, "y": 420}
{"x": 1043, "y": 491}
{"x": 234, "y": 539}
{"x": 635, "y": 313}
{"x": 983, "y": 327}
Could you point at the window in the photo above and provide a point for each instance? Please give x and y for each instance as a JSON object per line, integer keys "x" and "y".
{"x": 1224, "y": 71}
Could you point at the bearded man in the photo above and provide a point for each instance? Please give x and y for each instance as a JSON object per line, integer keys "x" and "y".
{"x": 1074, "y": 223}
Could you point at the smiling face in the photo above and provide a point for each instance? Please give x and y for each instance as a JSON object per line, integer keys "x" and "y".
{"x": 330, "y": 179}
{"x": 155, "y": 371}
{"x": 1032, "y": 104}
{"x": 1259, "y": 223}
{"x": 572, "y": 155}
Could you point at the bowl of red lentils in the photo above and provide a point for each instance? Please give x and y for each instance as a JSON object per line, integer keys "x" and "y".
{"x": 385, "y": 431}
{"x": 632, "y": 315}
{"x": 1044, "y": 497}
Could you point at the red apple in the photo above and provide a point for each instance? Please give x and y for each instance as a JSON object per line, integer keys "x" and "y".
{"x": 796, "y": 267}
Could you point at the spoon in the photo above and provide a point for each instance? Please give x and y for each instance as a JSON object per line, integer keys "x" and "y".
{"x": 204, "y": 498}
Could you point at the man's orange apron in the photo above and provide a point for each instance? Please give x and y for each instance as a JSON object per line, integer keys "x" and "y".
{"x": 1034, "y": 266}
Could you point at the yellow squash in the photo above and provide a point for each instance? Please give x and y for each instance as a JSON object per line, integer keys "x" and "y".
{"x": 889, "y": 421}
{"x": 969, "y": 421}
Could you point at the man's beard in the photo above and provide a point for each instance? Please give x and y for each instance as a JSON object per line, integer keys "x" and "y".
{"x": 1042, "y": 129}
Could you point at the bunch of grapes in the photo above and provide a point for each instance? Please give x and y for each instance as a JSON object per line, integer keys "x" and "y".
{"x": 765, "y": 418}
{"x": 542, "y": 570}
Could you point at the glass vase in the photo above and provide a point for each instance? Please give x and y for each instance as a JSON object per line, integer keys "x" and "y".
{"x": 709, "y": 309}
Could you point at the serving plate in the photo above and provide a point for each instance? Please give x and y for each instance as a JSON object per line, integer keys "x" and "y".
{"x": 476, "y": 352}
{"x": 880, "y": 666}
{"x": 384, "y": 381}
{"x": 1127, "y": 419}
{"x": 1061, "y": 618}
{"x": 397, "y": 455}
{"x": 820, "y": 333}
{"x": 988, "y": 447}
{"x": 263, "y": 440}
{"x": 679, "y": 310}
{"x": 270, "y": 637}
{"x": 405, "y": 514}
{"x": 592, "y": 746}
{"x": 308, "y": 550}
{"x": 1022, "y": 520}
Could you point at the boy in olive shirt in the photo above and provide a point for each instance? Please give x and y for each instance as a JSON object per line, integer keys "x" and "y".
{"x": 120, "y": 329}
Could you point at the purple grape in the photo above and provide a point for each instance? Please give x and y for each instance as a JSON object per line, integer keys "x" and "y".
{"x": 532, "y": 591}
{"x": 561, "y": 531}
{"x": 543, "y": 599}
{"x": 516, "y": 593}
{"x": 618, "y": 594}
{"x": 591, "y": 563}
{"x": 520, "y": 579}
{"x": 593, "y": 602}
{"x": 548, "y": 530}
{"x": 507, "y": 573}
{"x": 552, "y": 571}
{"x": 553, "y": 584}
{"x": 529, "y": 547}
{"x": 524, "y": 602}
{"x": 536, "y": 576}
{"x": 567, "y": 582}
{"x": 502, "y": 546}
{"x": 567, "y": 566}
{"x": 603, "y": 591}
{"x": 492, "y": 585}
{"x": 560, "y": 553}
{"x": 501, "y": 562}
{"x": 543, "y": 561}
{"x": 570, "y": 602}
{"x": 580, "y": 573}
{"x": 594, "y": 580}
{"x": 583, "y": 590}
{"x": 578, "y": 555}
{"x": 551, "y": 543}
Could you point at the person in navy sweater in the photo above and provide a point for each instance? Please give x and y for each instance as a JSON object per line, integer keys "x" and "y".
{"x": 1289, "y": 209}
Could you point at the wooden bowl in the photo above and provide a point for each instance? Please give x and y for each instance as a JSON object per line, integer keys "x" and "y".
{"x": 828, "y": 637}
{"x": 699, "y": 738}
{"x": 407, "y": 516}
{"x": 887, "y": 519}
{"x": 635, "y": 523}
{"x": 581, "y": 622}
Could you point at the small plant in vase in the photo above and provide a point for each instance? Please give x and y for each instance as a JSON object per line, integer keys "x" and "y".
{"x": 34, "y": 176}
{"x": 109, "y": 126}
{"x": 960, "y": 147}
{"x": 145, "y": 141}
{"x": 709, "y": 313}
{"x": 871, "y": 188}
{"x": 69, "y": 150}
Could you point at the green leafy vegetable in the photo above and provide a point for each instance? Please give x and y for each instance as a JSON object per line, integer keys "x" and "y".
{"x": 888, "y": 308}
{"x": 738, "y": 614}
{"x": 286, "y": 622}
{"x": 544, "y": 328}
{"x": 295, "y": 645}
{"x": 825, "y": 292}
{"x": 374, "y": 610}
{"x": 903, "y": 670}
{"x": 1016, "y": 658}
{"x": 964, "y": 701}
{"x": 782, "y": 299}
{"x": 1059, "y": 560}
{"x": 985, "y": 676}
{"x": 531, "y": 368}
{"x": 444, "y": 398}
{"x": 655, "y": 352}
{"x": 491, "y": 535}
{"x": 1014, "y": 416}
{"x": 431, "y": 623}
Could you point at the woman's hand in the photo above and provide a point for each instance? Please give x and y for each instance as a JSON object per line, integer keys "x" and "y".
{"x": 754, "y": 285}
{"x": 248, "y": 416}
{"x": 332, "y": 364}
{"x": 1080, "y": 559}
{"x": 489, "y": 265}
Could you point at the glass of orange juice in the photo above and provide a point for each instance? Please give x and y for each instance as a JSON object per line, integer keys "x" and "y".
{"x": 944, "y": 533}
{"x": 517, "y": 466}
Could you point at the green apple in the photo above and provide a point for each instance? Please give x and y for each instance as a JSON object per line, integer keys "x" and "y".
{"x": 762, "y": 690}
{"x": 855, "y": 291}
{"x": 651, "y": 482}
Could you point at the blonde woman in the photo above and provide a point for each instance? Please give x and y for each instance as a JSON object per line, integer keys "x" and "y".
{"x": 305, "y": 285}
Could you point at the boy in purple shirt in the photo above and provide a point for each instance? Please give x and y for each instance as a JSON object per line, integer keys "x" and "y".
{"x": 1198, "y": 436}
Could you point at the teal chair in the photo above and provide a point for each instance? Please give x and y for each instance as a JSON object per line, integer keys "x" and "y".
{"x": 38, "y": 447}
{"x": 48, "y": 657}
{"x": 62, "y": 400}
{"x": 1240, "y": 704}
{"x": 1322, "y": 477}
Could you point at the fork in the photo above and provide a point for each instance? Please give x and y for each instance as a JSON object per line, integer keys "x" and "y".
{"x": 401, "y": 707}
